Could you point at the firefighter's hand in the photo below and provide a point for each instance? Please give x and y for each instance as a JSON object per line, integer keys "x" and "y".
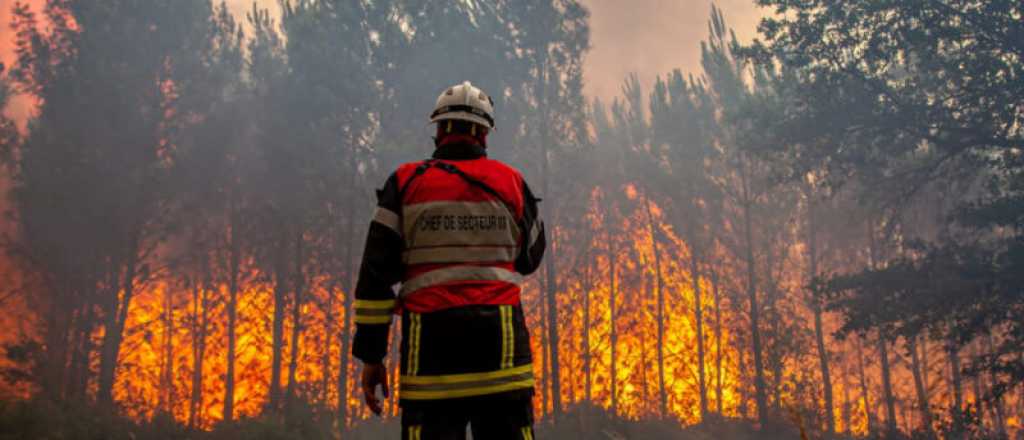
{"x": 373, "y": 375}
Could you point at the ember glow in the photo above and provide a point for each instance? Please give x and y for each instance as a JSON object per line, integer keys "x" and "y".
{"x": 166, "y": 325}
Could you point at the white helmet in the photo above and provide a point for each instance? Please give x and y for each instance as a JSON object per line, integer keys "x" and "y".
{"x": 466, "y": 103}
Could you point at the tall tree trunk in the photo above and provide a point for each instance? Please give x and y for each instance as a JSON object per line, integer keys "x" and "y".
{"x": 979, "y": 402}
{"x": 869, "y": 413}
{"x": 660, "y": 316}
{"x": 199, "y": 314}
{"x": 744, "y": 376}
{"x": 819, "y": 332}
{"x": 57, "y": 347}
{"x": 755, "y": 330}
{"x": 847, "y": 413}
{"x": 890, "y": 399}
{"x": 718, "y": 341}
{"x": 551, "y": 285}
{"x": 117, "y": 314}
{"x": 167, "y": 359}
{"x": 545, "y": 348}
{"x": 919, "y": 386}
{"x": 277, "y": 339}
{"x": 297, "y": 298}
{"x": 997, "y": 404}
{"x": 348, "y": 281}
{"x": 957, "y": 381}
{"x": 883, "y": 353}
{"x": 612, "y": 333}
{"x": 234, "y": 263}
{"x": 81, "y": 345}
{"x": 325, "y": 358}
{"x": 587, "y": 285}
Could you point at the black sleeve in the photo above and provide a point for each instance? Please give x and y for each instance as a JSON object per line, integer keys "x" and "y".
{"x": 533, "y": 242}
{"x": 380, "y": 270}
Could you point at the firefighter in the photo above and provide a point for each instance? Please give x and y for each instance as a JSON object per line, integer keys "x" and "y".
{"x": 458, "y": 231}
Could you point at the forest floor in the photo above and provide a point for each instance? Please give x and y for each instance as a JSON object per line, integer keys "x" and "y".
{"x": 53, "y": 421}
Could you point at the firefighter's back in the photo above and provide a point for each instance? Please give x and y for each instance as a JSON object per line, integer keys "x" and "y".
{"x": 458, "y": 232}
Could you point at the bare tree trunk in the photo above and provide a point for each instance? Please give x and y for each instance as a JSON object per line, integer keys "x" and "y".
{"x": 545, "y": 348}
{"x": 847, "y": 412}
{"x": 890, "y": 400}
{"x": 551, "y": 286}
{"x": 81, "y": 345}
{"x": 883, "y": 353}
{"x": 587, "y": 285}
{"x": 200, "y": 298}
{"x": 612, "y": 334}
{"x": 819, "y": 332}
{"x": 58, "y": 320}
{"x": 919, "y": 386}
{"x": 957, "y": 381}
{"x": 644, "y": 401}
{"x": 349, "y": 291}
{"x": 117, "y": 315}
{"x": 234, "y": 263}
{"x": 280, "y": 291}
{"x": 755, "y": 330}
{"x": 744, "y": 373}
{"x": 868, "y": 410}
{"x": 979, "y": 402}
{"x": 167, "y": 360}
{"x": 660, "y": 316}
{"x": 997, "y": 405}
{"x": 718, "y": 341}
{"x": 299, "y": 286}
{"x": 325, "y": 359}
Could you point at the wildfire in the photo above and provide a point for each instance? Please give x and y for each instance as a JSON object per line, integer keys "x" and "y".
{"x": 610, "y": 271}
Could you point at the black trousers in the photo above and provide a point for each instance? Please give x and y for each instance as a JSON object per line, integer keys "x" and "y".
{"x": 507, "y": 416}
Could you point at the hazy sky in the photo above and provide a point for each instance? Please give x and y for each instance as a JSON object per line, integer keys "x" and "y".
{"x": 649, "y": 37}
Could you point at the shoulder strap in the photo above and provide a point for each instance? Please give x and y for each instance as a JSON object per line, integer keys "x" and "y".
{"x": 452, "y": 169}
{"x": 422, "y": 168}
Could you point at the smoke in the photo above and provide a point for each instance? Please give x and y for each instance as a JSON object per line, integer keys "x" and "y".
{"x": 646, "y": 37}
{"x": 653, "y": 37}
{"x": 20, "y": 107}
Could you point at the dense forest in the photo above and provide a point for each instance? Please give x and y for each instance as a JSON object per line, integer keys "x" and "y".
{"x": 819, "y": 233}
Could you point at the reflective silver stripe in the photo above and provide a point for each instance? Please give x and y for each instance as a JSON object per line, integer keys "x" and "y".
{"x": 455, "y": 223}
{"x": 459, "y": 273}
{"x": 534, "y": 233}
{"x": 387, "y": 218}
{"x": 460, "y": 254}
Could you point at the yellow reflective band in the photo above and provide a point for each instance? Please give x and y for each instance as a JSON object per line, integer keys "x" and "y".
{"x": 415, "y": 432}
{"x": 386, "y": 319}
{"x": 467, "y": 377}
{"x": 527, "y": 433}
{"x": 374, "y": 311}
{"x": 507, "y": 337}
{"x": 467, "y": 392}
{"x": 464, "y": 385}
{"x": 413, "y": 361}
{"x": 374, "y": 304}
